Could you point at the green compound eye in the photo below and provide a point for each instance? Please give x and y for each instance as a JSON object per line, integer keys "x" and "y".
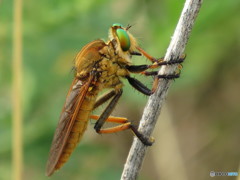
{"x": 117, "y": 25}
{"x": 124, "y": 39}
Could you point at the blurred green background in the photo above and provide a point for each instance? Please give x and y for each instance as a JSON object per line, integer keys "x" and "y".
{"x": 199, "y": 129}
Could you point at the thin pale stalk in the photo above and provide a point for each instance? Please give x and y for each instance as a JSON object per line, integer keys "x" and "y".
{"x": 155, "y": 102}
{"x": 17, "y": 156}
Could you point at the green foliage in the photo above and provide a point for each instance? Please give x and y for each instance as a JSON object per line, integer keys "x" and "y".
{"x": 54, "y": 31}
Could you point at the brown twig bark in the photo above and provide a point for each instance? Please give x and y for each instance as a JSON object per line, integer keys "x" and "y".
{"x": 155, "y": 102}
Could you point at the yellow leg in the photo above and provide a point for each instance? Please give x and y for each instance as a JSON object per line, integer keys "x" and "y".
{"x": 116, "y": 128}
{"x": 125, "y": 124}
{"x": 120, "y": 120}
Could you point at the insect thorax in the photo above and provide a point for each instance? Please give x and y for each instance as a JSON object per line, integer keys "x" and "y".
{"x": 111, "y": 68}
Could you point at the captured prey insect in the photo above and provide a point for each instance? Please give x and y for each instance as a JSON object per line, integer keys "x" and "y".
{"x": 100, "y": 65}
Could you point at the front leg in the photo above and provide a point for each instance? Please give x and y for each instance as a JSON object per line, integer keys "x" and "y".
{"x": 158, "y": 63}
{"x": 149, "y": 57}
{"x": 144, "y": 89}
{"x": 135, "y": 53}
{"x": 125, "y": 124}
{"x": 145, "y": 54}
{"x": 142, "y": 69}
{"x": 106, "y": 113}
{"x": 139, "y": 86}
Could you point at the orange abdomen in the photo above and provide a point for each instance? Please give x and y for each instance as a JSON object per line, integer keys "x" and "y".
{"x": 79, "y": 127}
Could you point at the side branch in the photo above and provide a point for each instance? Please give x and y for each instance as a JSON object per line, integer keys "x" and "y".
{"x": 155, "y": 102}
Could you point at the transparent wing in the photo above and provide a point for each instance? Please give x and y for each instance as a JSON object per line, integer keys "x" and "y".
{"x": 74, "y": 99}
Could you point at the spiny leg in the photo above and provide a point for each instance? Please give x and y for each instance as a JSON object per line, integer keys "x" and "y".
{"x": 165, "y": 76}
{"x": 162, "y": 76}
{"x": 136, "y": 53}
{"x": 106, "y": 113}
{"x": 113, "y": 119}
{"x": 104, "y": 98}
{"x": 139, "y": 86}
{"x": 126, "y": 124}
{"x": 144, "y": 89}
{"x": 142, "y": 68}
{"x": 149, "y": 57}
{"x": 178, "y": 61}
{"x": 160, "y": 61}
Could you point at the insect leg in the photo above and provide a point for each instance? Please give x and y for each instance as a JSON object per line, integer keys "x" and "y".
{"x": 125, "y": 123}
{"x": 137, "y": 68}
{"x": 156, "y": 64}
{"x": 106, "y": 113}
{"x": 105, "y": 97}
{"x": 142, "y": 68}
{"x": 150, "y": 73}
{"x": 115, "y": 129}
{"x": 163, "y": 76}
{"x": 144, "y": 89}
{"x": 139, "y": 86}
{"x": 113, "y": 119}
{"x": 136, "y": 53}
{"x": 160, "y": 62}
{"x": 128, "y": 125}
{"x": 149, "y": 57}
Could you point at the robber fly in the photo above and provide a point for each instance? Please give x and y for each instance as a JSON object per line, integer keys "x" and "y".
{"x": 100, "y": 65}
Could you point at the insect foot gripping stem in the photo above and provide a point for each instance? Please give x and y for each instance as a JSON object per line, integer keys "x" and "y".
{"x": 141, "y": 137}
{"x": 172, "y": 62}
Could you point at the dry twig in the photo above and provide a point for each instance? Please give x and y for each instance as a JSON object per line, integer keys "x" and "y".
{"x": 155, "y": 102}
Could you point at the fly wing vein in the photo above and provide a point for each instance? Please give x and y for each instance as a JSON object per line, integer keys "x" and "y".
{"x": 70, "y": 110}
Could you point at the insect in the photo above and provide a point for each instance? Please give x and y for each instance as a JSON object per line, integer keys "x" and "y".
{"x": 100, "y": 65}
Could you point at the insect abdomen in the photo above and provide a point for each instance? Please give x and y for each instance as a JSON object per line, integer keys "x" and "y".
{"x": 77, "y": 130}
